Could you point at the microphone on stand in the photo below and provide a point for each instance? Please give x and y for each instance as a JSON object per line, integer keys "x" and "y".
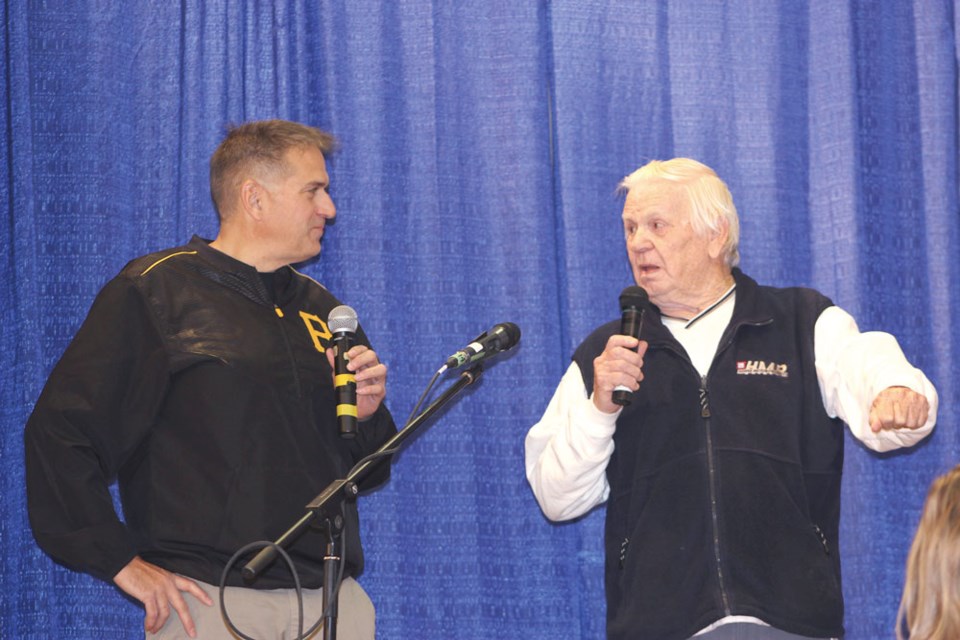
{"x": 500, "y": 338}
{"x": 632, "y": 300}
{"x": 342, "y": 323}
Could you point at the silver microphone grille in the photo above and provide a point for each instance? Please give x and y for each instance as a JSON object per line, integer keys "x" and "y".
{"x": 342, "y": 318}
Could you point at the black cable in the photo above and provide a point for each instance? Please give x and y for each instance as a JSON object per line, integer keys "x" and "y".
{"x": 331, "y": 597}
{"x": 293, "y": 572}
{"x": 389, "y": 452}
{"x": 423, "y": 395}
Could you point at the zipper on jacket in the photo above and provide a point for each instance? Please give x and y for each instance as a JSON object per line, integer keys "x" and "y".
{"x": 712, "y": 476}
{"x": 286, "y": 343}
{"x": 624, "y": 546}
{"x": 823, "y": 538}
{"x": 726, "y": 340}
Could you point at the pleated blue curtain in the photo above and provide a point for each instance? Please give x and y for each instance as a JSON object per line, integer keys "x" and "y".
{"x": 481, "y": 146}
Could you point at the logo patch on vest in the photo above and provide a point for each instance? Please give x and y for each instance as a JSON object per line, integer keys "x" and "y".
{"x": 761, "y": 368}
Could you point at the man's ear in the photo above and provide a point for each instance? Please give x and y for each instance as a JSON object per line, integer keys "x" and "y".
{"x": 251, "y": 198}
{"x": 718, "y": 239}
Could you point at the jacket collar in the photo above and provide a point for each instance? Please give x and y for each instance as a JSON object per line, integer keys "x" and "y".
{"x": 220, "y": 260}
{"x": 241, "y": 277}
{"x": 746, "y": 310}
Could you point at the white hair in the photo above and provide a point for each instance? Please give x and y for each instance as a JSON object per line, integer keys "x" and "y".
{"x": 711, "y": 205}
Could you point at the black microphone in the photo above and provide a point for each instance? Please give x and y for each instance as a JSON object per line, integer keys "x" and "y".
{"x": 632, "y": 300}
{"x": 342, "y": 323}
{"x": 502, "y": 337}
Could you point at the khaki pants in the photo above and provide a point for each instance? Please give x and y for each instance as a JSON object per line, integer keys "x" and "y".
{"x": 272, "y": 614}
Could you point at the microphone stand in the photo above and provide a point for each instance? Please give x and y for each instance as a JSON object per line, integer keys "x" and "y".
{"x": 347, "y": 488}
{"x": 331, "y": 562}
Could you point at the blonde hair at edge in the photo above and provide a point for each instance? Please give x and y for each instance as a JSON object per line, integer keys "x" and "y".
{"x": 710, "y": 200}
{"x": 930, "y": 607}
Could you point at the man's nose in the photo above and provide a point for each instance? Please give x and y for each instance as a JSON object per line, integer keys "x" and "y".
{"x": 639, "y": 241}
{"x": 326, "y": 208}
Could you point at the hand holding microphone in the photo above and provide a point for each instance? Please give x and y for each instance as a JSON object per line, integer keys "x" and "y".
{"x": 621, "y": 362}
{"x": 359, "y": 378}
{"x": 632, "y": 300}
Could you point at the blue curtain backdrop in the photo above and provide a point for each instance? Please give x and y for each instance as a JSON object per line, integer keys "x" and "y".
{"x": 482, "y": 142}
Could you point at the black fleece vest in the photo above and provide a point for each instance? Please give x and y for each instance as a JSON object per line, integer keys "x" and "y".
{"x": 725, "y": 490}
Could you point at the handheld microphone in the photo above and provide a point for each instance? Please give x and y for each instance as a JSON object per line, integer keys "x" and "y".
{"x": 342, "y": 323}
{"x": 502, "y": 337}
{"x": 632, "y": 300}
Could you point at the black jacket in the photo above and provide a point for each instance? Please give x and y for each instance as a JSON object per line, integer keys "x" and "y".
{"x": 725, "y": 491}
{"x": 209, "y": 397}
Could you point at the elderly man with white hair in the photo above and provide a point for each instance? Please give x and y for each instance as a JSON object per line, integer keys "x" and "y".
{"x": 722, "y": 474}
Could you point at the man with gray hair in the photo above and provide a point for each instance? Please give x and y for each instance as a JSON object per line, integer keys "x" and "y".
{"x": 202, "y": 379}
{"x": 722, "y": 474}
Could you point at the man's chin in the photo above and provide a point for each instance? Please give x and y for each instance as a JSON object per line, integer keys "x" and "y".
{"x": 652, "y": 286}
{"x": 308, "y": 256}
{"x": 647, "y": 278}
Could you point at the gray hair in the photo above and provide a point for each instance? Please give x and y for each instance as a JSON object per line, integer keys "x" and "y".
{"x": 259, "y": 147}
